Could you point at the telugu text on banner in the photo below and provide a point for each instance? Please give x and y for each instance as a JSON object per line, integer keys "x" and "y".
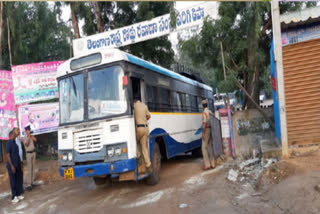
{"x": 35, "y": 82}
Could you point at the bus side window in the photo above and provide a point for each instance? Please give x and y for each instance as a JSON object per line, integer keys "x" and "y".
{"x": 188, "y": 102}
{"x": 200, "y": 109}
{"x": 164, "y": 100}
{"x": 183, "y": 101}
{"x": 176, "y": 102}
{"x": 151, "y": 98}
{"x": 210, "y": 105}
{"x": 194, "y": 106}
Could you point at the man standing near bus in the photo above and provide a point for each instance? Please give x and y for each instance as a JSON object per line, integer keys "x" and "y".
{"x": 18, "y": 142}
{"x": 28, "y": 142}
{"x": 14, "y": 168}
{"x": 209, "y": 161}
{"x": 141, "y": 115}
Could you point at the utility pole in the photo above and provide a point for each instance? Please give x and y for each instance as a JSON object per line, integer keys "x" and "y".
{"x": 276, "y": 29}
{"x": 222, "y": 56}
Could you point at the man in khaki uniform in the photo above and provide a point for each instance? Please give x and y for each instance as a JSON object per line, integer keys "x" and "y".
{"x": 142, "y": 114}
{"x": 28, "y": 142}
{"x": 209, "y": 161}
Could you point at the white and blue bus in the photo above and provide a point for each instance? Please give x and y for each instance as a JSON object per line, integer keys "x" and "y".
{"x": 96, "y": 135}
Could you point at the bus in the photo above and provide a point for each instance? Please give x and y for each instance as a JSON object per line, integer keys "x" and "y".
{"x": 96, "y": 134}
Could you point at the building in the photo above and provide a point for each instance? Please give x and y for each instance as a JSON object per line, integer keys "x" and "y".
{"x": 301, "y": 68}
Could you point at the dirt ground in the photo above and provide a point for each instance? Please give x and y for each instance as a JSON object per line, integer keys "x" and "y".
{"x": 285, "y": 187}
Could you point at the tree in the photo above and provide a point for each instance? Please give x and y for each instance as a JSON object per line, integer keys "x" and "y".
{"x": 74, "y": 6}
{"x": 243, "y": 32}
{"x": 39, "y": 37}
{"x": 97, "y": 14}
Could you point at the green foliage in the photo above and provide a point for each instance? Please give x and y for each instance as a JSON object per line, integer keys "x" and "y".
{"x": 35, "y": 33}
{"x": 173, "y": 16}
{"x": 229, "y": 84}
{"x": 245, "y": 45}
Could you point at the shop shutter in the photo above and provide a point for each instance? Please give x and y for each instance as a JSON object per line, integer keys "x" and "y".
{"x": 301, "y": 65}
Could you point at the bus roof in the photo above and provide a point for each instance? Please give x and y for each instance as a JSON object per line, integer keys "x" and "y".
{"x": 114, "y": 55}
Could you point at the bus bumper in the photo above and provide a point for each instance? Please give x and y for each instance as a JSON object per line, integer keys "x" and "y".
{"x": 99, "y": 169}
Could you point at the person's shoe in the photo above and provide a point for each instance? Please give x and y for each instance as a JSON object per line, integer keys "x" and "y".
{"x": 29, "y": 188}
{"x": 206, "y": 168}
{"x": 149, "y": 170}
{"x": 20, "y": 197}
{"x": 15, "y": 200}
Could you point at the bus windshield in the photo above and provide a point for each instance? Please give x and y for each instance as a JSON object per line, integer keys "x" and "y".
{"x": 106, "y": 95}
{"x": 71, "y": 99}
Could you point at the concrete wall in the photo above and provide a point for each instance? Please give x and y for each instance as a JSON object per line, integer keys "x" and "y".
{"x": 249, "y": 129}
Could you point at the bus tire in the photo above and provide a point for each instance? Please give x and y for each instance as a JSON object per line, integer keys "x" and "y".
{"x": 102, "y": 181}
{"x": 197, "y": 153}
{"x": 154, "y": 177}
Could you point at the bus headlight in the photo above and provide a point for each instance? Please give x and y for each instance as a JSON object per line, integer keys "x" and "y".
{"x": 118, "y": 151}
{"x": 64, "y": 157}
{"x": 70, "y": 156}
{"x": 110, "y": 152}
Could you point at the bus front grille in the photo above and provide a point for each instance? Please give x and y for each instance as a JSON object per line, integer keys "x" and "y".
{"x": 88, "y": 141}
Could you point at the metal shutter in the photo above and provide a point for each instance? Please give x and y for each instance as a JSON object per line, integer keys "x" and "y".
{"x": 301, "y": 66}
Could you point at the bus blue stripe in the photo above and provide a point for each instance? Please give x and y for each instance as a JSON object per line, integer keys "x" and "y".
{"x": 153, "y": 67}
{"x": 173, "y": 147}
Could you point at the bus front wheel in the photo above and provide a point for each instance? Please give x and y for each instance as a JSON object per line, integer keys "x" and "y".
{"x": 102, "y": 181}
{"x": 154, "y": 178}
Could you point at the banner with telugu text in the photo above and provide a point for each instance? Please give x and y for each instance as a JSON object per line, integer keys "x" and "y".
{"x": 7, "y": 108}
{"x": 145, "y": 30}
{"x": 35, "y": 82}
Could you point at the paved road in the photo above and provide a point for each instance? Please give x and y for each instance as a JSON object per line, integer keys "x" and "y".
{"x": 182, "y": 181}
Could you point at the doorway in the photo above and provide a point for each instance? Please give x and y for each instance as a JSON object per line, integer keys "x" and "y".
{"x": 138, "y": 88}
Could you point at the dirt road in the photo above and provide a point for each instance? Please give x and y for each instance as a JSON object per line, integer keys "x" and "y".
{"x": 182, "y": 182}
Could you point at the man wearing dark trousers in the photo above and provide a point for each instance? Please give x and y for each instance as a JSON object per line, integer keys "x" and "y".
{"x": 18, "y": 142}
{"x": 14, "y": 168}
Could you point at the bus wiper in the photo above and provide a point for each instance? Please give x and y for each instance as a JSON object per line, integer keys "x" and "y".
{"x": 74, "y": 87}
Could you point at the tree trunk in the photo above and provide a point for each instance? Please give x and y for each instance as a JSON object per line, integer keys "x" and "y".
{"x": 253, "y": 71}
{"x": 75, "y": 20}
{"x": 1, "y": 24}
{"x": 97, "y": 14}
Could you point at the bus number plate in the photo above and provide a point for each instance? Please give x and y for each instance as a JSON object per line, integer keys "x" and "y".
{"x": 69, "y": 174}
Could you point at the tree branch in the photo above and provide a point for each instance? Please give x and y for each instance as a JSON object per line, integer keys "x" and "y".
{"x": 266, "y": 26}
{"x": 255, "y": 104}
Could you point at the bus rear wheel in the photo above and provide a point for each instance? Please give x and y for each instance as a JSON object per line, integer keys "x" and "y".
{"x": 154, "y": 178}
